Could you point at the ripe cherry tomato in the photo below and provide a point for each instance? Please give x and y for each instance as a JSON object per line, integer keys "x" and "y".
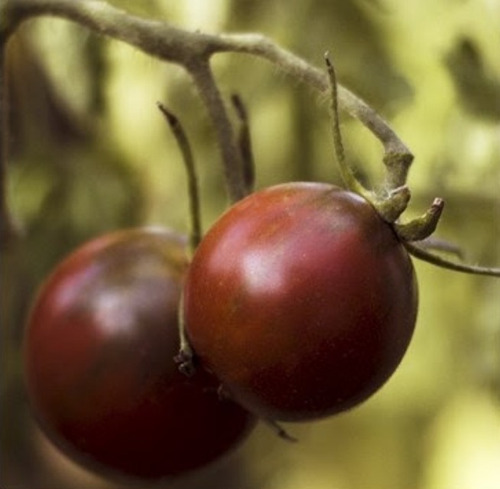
{"x": 302, "y": 300}
{"x": 100, "y": 373}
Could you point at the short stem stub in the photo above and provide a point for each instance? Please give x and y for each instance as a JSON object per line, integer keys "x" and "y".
{"x": 421, "y": 227}
{"x": 280, "y": 431}
{"x": 185, "y": 357}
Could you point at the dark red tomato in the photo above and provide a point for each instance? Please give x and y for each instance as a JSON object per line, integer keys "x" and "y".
{"x": 302, "y": 300}
{"x": 100, "y": 373}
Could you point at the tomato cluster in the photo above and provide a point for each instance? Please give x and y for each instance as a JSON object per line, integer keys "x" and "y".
{"x": 299, "y": 303}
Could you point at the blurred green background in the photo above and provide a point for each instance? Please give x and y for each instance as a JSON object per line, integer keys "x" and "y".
{"x": 89, "y": 152}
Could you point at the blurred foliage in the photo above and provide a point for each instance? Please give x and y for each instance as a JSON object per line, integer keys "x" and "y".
{"x": 89, "y": 152}
{"x": 478, "y": 88}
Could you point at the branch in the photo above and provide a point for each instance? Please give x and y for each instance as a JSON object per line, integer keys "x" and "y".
{"x": 192, "y": 50}
{"x": 209, "y": 92}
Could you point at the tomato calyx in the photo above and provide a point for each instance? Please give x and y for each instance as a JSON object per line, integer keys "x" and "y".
{"x": 395, "y": 201}
{"x": 391, "y": 205}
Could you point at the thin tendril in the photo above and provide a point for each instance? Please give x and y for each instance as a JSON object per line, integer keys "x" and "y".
{"x": 187, "y": 156}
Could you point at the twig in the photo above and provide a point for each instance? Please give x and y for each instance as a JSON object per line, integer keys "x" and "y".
{"x": 346, "y": 172}
{"x": 193, "y": 51}
{"x": 245, "y": 143}
{"x": 192, "y": 177}
{"x": 231, "y": 155}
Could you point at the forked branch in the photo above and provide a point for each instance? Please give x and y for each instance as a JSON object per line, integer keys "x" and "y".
{"x": 193, "y": 50}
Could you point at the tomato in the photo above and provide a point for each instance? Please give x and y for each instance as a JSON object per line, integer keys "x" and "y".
{"x": 99, "y": 365}
{"x": 302, "y": 300}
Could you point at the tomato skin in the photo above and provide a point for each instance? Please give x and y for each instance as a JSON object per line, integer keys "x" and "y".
{"x": 99, "y": 365}
{"x": 301, "y": 300}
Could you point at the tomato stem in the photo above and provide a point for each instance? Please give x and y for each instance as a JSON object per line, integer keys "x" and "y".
{"x": 393, "y": 205}
{"x": 424, "y": 255}
{"x": 442, "y": 245}
{"x": 185, "y": 356}
{"x": 192, "y": 177}
{"x": 346, "y": 172}
{"x": 245, "y": 143}
{"x": 421, "y": 227}
{"x": 209, "y": 92}
{"x": 280, "y": 431}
